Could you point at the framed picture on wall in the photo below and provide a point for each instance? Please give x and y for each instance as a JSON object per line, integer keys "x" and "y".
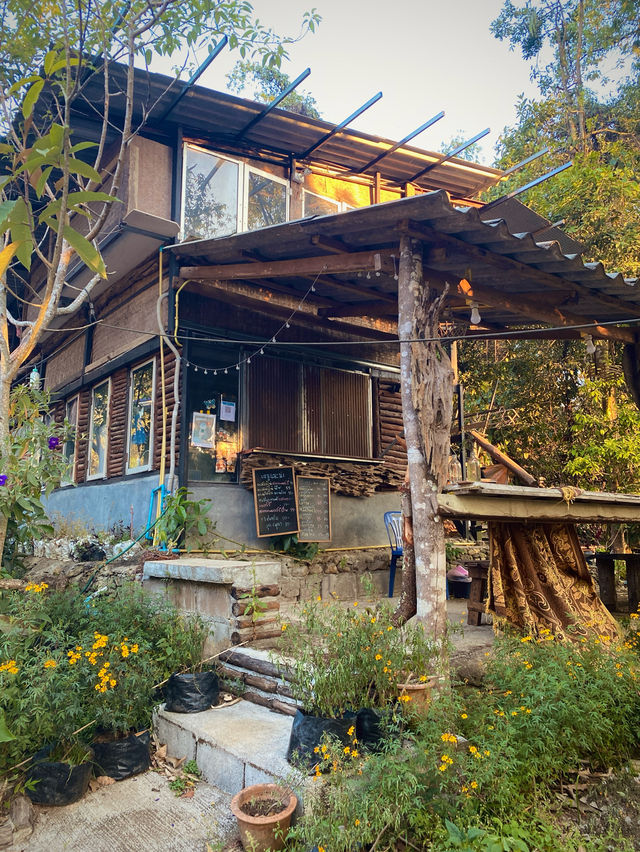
{"x": 203, "y": 430}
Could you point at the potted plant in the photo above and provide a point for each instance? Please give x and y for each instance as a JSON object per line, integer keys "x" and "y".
{"x": 346, "y": 664}
{"x": 59, "y": 774}
{"x": 263, "y": 812}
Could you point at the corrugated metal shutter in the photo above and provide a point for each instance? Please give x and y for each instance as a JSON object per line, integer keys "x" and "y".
{"x": 169, "y": 372}
{"x": 273, "y": 396}
{"x": 308, "y": 409}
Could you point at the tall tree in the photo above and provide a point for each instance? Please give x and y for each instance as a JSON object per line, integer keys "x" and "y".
{"x": 579, "y": 402}
{"x": 49, "y": 182}
{"x": 267, "y": 82}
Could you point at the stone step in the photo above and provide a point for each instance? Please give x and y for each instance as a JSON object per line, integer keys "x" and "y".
{"x": 234, "y": 746}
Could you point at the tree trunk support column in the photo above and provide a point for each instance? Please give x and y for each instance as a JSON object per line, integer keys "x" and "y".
{"x": 427, "y": 398}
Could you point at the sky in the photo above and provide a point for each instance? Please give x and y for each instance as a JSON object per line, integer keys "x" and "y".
{"x": 424, "y": 55}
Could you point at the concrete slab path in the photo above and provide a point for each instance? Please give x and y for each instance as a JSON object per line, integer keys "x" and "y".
{"x": 140, "y": 814}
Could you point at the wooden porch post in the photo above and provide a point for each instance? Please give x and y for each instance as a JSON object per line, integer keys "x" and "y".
{"x": 427, "y": 397}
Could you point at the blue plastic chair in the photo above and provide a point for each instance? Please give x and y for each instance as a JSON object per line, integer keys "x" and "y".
{"x": 393, "y": 523}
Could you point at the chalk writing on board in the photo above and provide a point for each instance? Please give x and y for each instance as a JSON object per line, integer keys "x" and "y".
{"x": 314, "y": 508}
{"x": 274, "y": 497}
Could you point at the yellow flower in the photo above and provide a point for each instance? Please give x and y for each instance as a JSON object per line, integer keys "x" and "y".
{"x": 354, "y": 753}
{"x": 316, "y": 750}
{"x": 487, "y": 752}
{"x": 284, "y": 627}
{"x": 404, "y": 698}
{"x": 112, "y": 682}
{"x": 463, "y": 716}
{"x": 473, "y": 749}
{"x": 355, "y": 603}
{"x": 473, "y": 785}
{"x": 347, "y": 750}
{"x": 351, "y": 731}
{"x": 134, "y": 648}
{"x": 50, "y": 664}
{"x": 634, "y": 615}
{"x": 356, "y": 822}
{"x": 390, "y": 627}
{"x": 423, "y": 678}
{"x": 526, "y": 639}
{"x": 378, "y": 656}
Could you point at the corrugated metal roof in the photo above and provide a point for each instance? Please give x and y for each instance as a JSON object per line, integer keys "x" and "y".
{"x": 217, "y": 119}
{"x": 457, "y": 241}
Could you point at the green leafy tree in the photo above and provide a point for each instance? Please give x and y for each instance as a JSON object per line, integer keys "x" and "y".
{"x": 564, "y": 415}
{"x": 267, "y": 83}
{"x": 54, "y": 193}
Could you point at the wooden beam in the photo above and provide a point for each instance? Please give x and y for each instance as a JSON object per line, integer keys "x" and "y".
{"x": 331, "y": 244}
{"x": 503, "y": 458}
{"x": 509, "y": 264}
{"x": 533, "y": 309}
{"x": 375, "y": 308}
{"x": 363, "y": 261}
{"x": 217, "y": 290}
{"x": 357, "y": 289}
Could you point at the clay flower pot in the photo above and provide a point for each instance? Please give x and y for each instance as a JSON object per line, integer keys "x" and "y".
{"x": 418, "y": 694}
{"x": 259, "y": 833}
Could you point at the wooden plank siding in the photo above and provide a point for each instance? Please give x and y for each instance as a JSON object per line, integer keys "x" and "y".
{"x": 82, "y": 443}
{"x": 390, "y": 424}
{"x": 169, "y": 371}
{"x": 118, "y": 418}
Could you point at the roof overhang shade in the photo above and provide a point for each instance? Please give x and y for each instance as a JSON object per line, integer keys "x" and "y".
{"x": 515, "y": 279}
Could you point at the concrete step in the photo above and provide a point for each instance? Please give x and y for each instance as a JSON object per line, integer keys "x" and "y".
{"x": 233, "y": 746}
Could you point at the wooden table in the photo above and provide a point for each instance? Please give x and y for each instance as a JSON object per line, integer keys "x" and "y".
{"x": 479, "y": 573}
{"x": 607, "y": 582}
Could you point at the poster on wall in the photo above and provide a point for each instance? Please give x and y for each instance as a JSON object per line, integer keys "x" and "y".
{"x": 203, "y": 430}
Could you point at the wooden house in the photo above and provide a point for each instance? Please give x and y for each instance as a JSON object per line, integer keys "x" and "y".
{"x": 250, "y": 315}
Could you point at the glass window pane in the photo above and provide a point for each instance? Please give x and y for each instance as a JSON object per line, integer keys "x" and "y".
{"x": 314, "y": 205}
{"x": 267, "y": 203}
{"x": 210, "y": 195}
{"x": 140, "y": 417}
{"x": 69, "y": 448}
{"x": 213, "y": 439}
{"x": 99, "y": 424}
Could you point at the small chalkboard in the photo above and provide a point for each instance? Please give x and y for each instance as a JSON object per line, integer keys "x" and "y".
{"x": 314, "y": 507}
{"x": 274, "y": 498}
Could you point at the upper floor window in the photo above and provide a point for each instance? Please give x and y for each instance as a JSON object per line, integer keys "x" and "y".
{"x": 221, "y": 196}
{"x": 140, "y": 421}
{"x": 69, "y": 448}
{"x": 98, "y": 431}
{"x": 319, "y": 205}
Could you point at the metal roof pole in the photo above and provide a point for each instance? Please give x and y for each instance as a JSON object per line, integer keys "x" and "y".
{"x": 273, "y": 104}
{"x": 445, "y": 157}
{"x": 195, "y": 77}
{"x": 399, "y": 144}
{"x": 339, "y": 127}
{"x": 527, "y": 186}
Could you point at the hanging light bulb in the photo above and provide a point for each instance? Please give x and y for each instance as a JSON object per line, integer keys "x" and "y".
{"x": 237, "y": 366}
{"x": 262, "y": 351}
{"x": 196, "y": 369}
{"x": 475, "y": 314}
{"x": 313, "y": 288}
{"x": 215, "y": 372}
{"x": 287, "y": 325}
{"x": 226, "y": 372}
{"x": 590, "y": 345}
{"x": 205, "y": 372}
{"x": 248, "y": 360}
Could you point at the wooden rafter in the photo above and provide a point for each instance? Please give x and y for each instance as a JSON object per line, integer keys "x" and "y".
{"x": 365, "y": 261}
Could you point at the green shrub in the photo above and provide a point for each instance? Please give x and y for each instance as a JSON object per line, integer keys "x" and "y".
{"x": 66, "y": 663}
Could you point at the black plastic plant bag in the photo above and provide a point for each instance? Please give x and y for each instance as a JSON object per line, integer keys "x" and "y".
{"x": 123, "y": 758}
{"x": 307, "y": 732}
{"x": 57, "y": 783}
{"x": 191, "y": 693}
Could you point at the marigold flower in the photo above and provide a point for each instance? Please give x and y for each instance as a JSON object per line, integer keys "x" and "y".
{"x": 463, "y": 716}
{"x": 351, "y": 731}
{"x": 356, "y": 822}
{"x": 404, "y": 698}
{"x": 378, "y": 656}
{"x": 50, "y": 664}
{"x": 473, "y": 785}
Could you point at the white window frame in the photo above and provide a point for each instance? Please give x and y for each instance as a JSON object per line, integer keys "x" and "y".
{"x": 149, "y": 464}
{"x": 103, "y": 474}
{"x": 341, "y": 206}
{"x": 72, "y": 477}
{"x": 244, "y": 170}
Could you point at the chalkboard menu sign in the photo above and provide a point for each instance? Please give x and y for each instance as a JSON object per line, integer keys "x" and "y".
{"x": 274, "y": 498}
{"x": 314, "y": 506}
